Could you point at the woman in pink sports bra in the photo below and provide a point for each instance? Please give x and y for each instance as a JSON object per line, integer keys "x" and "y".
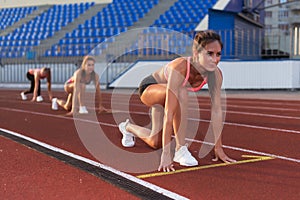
{"x": 166, "y": 92}
{"x": 75, "y": 87}
{"x": 35, "y": 76}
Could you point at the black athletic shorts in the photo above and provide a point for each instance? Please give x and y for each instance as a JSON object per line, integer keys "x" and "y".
{"x": 149, "y": 80}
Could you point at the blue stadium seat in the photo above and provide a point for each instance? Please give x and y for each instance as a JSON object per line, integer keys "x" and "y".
{"x": 115, "y": 18}
{"x": 17, "y": 13}
{"x": 184, "y": 12}
{"x": 43, "y": 26}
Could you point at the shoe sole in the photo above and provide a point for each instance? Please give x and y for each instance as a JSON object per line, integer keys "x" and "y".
{"x": 23, "y": 97}
{"x": 120, "y": 129}
{"x": 54, "y": 104}
{"x": 83, "y": 111}
{"x": 186, "y": 165}
{"x": 131, "y": 145}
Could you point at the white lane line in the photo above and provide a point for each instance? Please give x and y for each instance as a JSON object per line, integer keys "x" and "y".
{"x": 227, "y": 111}
{"x": 57, "y": 116}
{"x": 249, "y": 151}
{"x": 97, "y": 164}
{"x": 251, "y": 126}
{"x": 234, "y": 148}
{"x": 144, "y": 113}
{"x": 244, "y": 113}
{"x": 264, "y": 108}
{"x": 262, "y": 115}
{"x": 192, "y": 103}
{"x": 234, "y": 124}
{"x": 241, "y": 112}
{"x": 279, "y": 108}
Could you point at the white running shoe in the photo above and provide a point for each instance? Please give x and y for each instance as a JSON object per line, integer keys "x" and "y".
{"x": 54, "y": 104}
{"x": 39, "y": 99}
{"x": 83, "y": 110}
{"x": 128, "y": 138}
{"x": 184, "y": 157}
{"x": 23, "y": 96}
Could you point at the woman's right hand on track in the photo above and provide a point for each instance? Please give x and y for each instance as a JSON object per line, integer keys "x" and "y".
{"x": 166, "y": 163}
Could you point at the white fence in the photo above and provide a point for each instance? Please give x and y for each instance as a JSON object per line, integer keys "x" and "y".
{"x": 237, "y": 74}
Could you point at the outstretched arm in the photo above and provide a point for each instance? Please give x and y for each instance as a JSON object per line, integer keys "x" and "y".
{"x": 171, "y": 107}
{"x": 49, "y": 85}
{"x": 216, "y": 124}
{"x": 36, "y": 85}
{"x": 101, "y": 108}
{"x": 76, "y": 92}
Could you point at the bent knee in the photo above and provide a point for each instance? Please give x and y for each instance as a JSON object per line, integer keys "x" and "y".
{"x": 69, "y": 87}
{"x": 156, "y": 146}
{"x": 155, "y": 143}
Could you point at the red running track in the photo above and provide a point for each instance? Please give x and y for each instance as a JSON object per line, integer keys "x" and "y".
{"x": 47, "y": 155}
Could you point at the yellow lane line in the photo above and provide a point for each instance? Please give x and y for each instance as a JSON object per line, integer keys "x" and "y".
{"x": 253, "y": 159}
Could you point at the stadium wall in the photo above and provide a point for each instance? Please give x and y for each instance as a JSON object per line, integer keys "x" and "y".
{"x": 283, "y": 74}
{"x": 249, "y": 75}
{"x": 22, "y": 3}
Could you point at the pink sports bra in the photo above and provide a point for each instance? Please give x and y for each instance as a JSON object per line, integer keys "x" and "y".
{"x": 70, "y": 80}
{"x": 187, "y": 77}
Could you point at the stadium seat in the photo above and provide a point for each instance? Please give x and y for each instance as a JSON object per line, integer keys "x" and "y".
{"x": 112, "y": 20}
{"x": 115, "y": 18}
{"x": 43, "y": 26}
{"x": 17, "y": 13}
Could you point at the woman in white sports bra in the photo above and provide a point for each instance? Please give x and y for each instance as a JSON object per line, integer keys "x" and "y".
{"x": 75, "y": 87}
{"x": 166, "y": 92}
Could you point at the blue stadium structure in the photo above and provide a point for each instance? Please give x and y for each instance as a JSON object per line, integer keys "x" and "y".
{"x": 121, "y": 33}
{"x": 74, "y": 30}
{"x": 184, "y": 16}
{"x": 17, "y": 13}
{"x": 114, "y": 18}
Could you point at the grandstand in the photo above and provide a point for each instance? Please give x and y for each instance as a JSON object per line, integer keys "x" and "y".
{"x": 75, "y": 29}
{"x": 125, "y": 31}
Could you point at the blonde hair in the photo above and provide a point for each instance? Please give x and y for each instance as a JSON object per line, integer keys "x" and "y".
{"x": 86, "y": 59}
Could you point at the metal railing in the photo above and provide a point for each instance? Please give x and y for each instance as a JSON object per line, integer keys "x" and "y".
{"x": 64, "y": 59}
